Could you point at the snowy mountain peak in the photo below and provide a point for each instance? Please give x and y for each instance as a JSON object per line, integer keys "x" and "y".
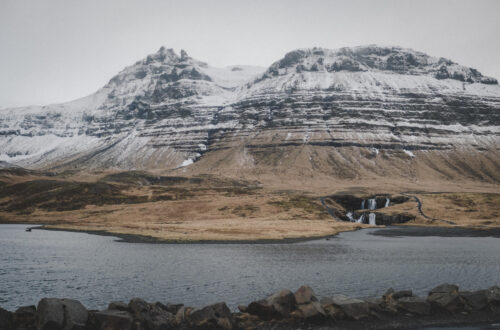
{"x": 374, "y": 58}
{"x": 169, "y": 110}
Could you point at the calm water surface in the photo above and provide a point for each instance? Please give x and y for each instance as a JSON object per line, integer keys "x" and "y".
{"x": 98, "y": 269}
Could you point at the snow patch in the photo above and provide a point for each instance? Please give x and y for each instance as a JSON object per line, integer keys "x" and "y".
{"x": 409, "y": 153}
{"x": 187, "y": 162}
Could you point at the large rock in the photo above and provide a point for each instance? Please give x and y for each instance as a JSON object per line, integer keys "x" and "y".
{"x": 494, "y": 299}
{"x": 446, "y": 296}
{"x": 311, "y": 312}
{"x": 25, "y": 318}
{"x": 61, "y": 314}
{"x": 283, "y": 302}
{"x": 6, "y": 320}
{"x": 173, "y": 308}
{"x": 160, "y": 318}
{"x": 395, "y": 295}
{"x": 139, "y": 308}
{"x": 414, "y": 305}
{"x": 475, "y": 300}
{"x": 182, "y": 314}
{"x": 118, "y": 305}
{"x": 264, "y": 310}
{"x": 334, "y": 312}
{"x": 216, "y": 316}
{"x": 353, "y": 308}
{"x": 112, "y": 320}
{"x": 305, "y": 295}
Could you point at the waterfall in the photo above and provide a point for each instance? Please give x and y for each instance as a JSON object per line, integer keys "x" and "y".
{"x": 372, "y": 204}
{"x": 363, "y": 204}
{"x": 387, "y": 201}
{"x": 371, "y": 219}
{"x": 349, "y": 216}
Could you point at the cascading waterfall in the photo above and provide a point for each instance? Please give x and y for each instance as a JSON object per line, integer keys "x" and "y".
{"x": 372, "y": 205}
{"x": 387, "y": 201}
{"x": 371, "y": 218}
{"x": 349, "y": 215}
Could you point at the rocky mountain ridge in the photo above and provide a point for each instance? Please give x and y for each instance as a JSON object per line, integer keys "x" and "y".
{"x": 168, "y": 110}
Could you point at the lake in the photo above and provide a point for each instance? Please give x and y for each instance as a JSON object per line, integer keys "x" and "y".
{"x": 99, "y": 269}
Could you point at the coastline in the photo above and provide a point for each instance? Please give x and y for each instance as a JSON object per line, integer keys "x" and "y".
{"x": 138, "y": 238}
{"x": 445, "y": 306}
{"x": 388, "y": 231}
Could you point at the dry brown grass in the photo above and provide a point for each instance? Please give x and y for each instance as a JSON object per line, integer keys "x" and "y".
{"x": 215, "y": 208}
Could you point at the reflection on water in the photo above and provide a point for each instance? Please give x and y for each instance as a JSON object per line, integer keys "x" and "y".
{"x": 97, "y": 269}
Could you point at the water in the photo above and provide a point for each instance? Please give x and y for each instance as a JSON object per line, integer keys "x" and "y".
{"x": 98, "y": 269}
{"x": 372, "y": 218}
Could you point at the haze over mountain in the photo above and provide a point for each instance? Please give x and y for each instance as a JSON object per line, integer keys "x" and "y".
{"x": 347, "y": 113}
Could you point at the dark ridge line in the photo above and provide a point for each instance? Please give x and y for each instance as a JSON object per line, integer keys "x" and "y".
{"x": 347, "y": 144}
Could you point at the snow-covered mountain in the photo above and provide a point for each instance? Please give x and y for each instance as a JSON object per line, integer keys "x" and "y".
{"x": 170, "y": 110}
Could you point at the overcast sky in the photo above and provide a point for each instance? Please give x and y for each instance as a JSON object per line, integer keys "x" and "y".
{"x": 58, "y": 50}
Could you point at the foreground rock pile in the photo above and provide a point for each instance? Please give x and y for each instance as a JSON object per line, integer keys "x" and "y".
{"x": 444, "y": 304}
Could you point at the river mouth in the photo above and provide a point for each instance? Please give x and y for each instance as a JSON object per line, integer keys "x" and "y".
{"x": 98, "y": 269}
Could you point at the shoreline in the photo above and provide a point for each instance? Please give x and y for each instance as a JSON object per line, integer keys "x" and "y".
{"x": 445, "y": 306}
{"x": 138, "y": 238}
{"x": 388, "y": 231}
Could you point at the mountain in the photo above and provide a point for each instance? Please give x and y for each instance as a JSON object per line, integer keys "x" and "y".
{"x": 348, "y": 113}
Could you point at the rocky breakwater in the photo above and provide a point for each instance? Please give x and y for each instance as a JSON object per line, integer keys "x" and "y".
{"x": 444, "y": 305}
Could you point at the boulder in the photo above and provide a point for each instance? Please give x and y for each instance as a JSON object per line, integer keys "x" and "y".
{"x": 6, "y": 320}
{"x": 494, "y": 299}
{"x": 50, "y": 314}
{"x": 263, "y": 310}
{"x": 375, "y": 304}
{"x": 243, "y": 308}
{"x": 112, "y": 319}
{"x": 311, "y": 312}
{"x": 283, "y": 302}
{"x": 160, "y": 318}
{"x": 216, "y": 316}
{"x": 395, "y": 295}
{"x": 304, "y": 295}
{"x": 64, "y": 314}
{"x": 138, "y": 308}
{"x": 182, "y": 314}
{"x": 24, "y": 318}
{"x": 445, "y": 297}
{"x": 118, "y": 305}
{"x": 475, "y": 300}
{"x": 494, "y": 294}
{"x": 388, "y": 294}
{"x": 354, "y": 308}
{"x": 414, "y": 305}
{"x": 174, "y": 308}
{"x": 245, "y": 320}
{"x": 332, "y": 311}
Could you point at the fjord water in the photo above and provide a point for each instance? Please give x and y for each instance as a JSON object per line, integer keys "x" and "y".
{"x": 99, "y": 269}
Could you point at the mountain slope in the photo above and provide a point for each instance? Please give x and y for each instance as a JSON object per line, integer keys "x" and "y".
{"x": 347, "y": 113}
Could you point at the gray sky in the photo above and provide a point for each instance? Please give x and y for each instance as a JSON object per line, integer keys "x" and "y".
{"x": 58, "y": 50}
